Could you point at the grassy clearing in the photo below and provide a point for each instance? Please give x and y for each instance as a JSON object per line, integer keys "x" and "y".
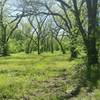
{"x": 39, "y": 77}
{"x": 32, "y": 77}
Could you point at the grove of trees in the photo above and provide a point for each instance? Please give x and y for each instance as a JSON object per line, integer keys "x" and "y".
{"x": 69, "y": 26}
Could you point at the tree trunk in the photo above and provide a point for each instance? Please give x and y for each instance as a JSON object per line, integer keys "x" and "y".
{"x": 61, "y": 46}
{"x": 52, "y": 49}
{"x": 73, "y": 52}
{"x": 47, "y": 45}
{"x": 5, "y": 51}
{"x": 92, "y": 53}
{"x": 28, "y": 47}
{"x": 62, "y": 49}
{"x": 73, "y": 46}
{"x": 38, "y": 46}
{"x": 92, "y": 66}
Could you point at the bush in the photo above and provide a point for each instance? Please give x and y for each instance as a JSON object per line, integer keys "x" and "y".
{"x": 15, "y": 46}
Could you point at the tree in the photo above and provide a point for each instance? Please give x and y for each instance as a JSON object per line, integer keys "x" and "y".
{"x": 88, "y": 32}
{"x": 71, "y": 32}
{"x": 38, "y": 28}
{"x": 58, "y": 36}
{"x": 68, "y": 24}
{"x": 28, "y": 33}
{"x": 8, "y": 26}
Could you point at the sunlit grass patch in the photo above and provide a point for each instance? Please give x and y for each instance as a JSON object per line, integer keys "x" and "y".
{"x": 37, "y": 77}
{"x": 19, "y": 72}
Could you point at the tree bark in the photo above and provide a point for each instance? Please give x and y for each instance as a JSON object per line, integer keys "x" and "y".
{"x": 73, "y": 52}
{"x": 52, "y": 49}
{"x": 92, "y": 66}
{"x": 5, "y": 51}
{"x": 38, "y": 45}
{"x": 28, "y": 50}
{"x": 61, "y": 46}
{"x": 92, "y": 52}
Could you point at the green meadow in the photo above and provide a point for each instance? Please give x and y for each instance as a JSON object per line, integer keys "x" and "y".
{"x": 41, "y": 77}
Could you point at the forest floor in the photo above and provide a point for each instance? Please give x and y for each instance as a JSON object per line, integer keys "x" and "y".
{"x": 40, "y": 77}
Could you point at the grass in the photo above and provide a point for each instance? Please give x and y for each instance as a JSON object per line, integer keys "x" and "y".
{"x": 39, "y": 77}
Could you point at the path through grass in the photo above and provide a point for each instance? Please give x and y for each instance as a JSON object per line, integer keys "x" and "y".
{"x": 35, "y": 77}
